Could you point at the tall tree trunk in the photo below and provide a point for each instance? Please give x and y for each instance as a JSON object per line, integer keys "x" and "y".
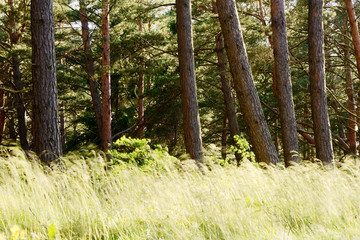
{"x": 224, "y": 137}
{"x": 356, "y": 42}
{"x": 351, "y": 132}
{"x": 62, "y": 128}
{"x": 90, "y": 69}
{"x": 2, "y": 115}
{"x": 20, "y": 108}
{"x": 226, "y": 88}
{"x": 46, "y": 133}
{"x": 284, "y": 86}
{"x": 246, "y": 92}
{"x": 354, "y": 32}
{"x": 191, "y": 119}
{"x": 322, "y": 134}
{"x": 141, "y": 129}
{"x": 106, "y": 96}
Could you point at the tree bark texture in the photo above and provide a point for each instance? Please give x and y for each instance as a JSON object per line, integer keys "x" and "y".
{"x": 106, "y": 90}
{"x": 226, "y": 88}
{"x": 284, "y": 85}
{"x": 46, "y": 133}
{"x": 322, "y": 134}
{"x": 354, "y": 32}
{"x": 351, "y": 129}
{"x": 90, "y": 69}
{"x": 260, "y": 137}
{"x": 191, "y": 119}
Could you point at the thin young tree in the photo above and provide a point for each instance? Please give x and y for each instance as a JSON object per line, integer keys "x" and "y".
{"x": 47, "y": 142}
{"x": 191, "y": 119}
{"x": 356, "y": 42}
{"x": 89, "y": 64}
{"x": 249, "y": 101}
{"x": 227, "y": 91}
{"x": 106, "y": 101}
{"x": 322, "y": 134}
{"x": 351, "y": 103}
{"x": 284, "y": 85}
{"x": 354, "y": 32}
{"x": 15, "y": 35}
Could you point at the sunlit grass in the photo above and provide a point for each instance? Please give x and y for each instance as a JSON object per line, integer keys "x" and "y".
{"x": 87, "y": 202}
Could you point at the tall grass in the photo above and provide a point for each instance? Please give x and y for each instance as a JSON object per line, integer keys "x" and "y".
{"x": 87, "y": 202}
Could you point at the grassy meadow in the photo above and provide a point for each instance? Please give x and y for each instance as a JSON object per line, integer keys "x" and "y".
{"x": 176, "y": 201}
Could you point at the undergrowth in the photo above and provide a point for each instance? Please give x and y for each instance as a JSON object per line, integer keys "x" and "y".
{"x": 93, "y": 199}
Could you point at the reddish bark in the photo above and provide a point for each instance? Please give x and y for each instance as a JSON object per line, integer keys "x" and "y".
{"x": 106, "y": 100}
{"x": 354, "y": 32}
{"x": 351, "y": 132}
{"x": 90, "y": 69}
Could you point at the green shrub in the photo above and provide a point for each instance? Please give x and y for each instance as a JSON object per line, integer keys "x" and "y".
{"x": 138, "y": 152}
{"x": 242, "y": 147}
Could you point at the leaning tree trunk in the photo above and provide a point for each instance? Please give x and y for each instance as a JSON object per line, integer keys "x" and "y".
{"x": 246, "y": 92}
{"x": 322, "y": 134}
{"x": 90, "y": 69}
{"x": 283, "y": 80}
{"x": 191, "y": 119}
{"x": 228, "y": 97}
{"x": 47, "y": 142}
{"x": 106, "y": 100}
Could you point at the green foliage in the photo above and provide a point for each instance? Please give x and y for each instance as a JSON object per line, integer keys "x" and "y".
{"x": 242, "y": 147}
{"x": 138, "y": 152}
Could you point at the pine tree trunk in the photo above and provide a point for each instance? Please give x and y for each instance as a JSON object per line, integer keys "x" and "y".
{"x": 141, "y": 129}
{"x": 224, "y": 137}
{"x": 226, "y": 88}
{"x": 19, "y": 105}
{"x": 46, "y": 130}
{"x": 351, "y": 132}
{"x": 354, "y": 32}
{"x": 90, "y": 69}
{"x": 246, "y": 92}
{"x": 284, "y": 85}
{"x": 322, "y": 134}
{"x": 2, "y": 115}
{"x": 191, "y": 119}
{"x": 356, "y": 42}
{"x": 106, "y": 99}
{"x": 20, "y": 108}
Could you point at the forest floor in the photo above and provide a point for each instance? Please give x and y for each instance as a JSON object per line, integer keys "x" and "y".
{"x": 129, "y": 202}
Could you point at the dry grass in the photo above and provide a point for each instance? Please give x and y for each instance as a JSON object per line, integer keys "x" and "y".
{"x": 86, "y": 202}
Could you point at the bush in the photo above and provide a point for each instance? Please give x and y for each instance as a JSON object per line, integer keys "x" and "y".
{"x": 138, "y": 152}
{"x": 242, "y": 147}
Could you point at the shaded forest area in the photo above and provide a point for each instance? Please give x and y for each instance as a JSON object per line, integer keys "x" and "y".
{"x": 187, "y": 75}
